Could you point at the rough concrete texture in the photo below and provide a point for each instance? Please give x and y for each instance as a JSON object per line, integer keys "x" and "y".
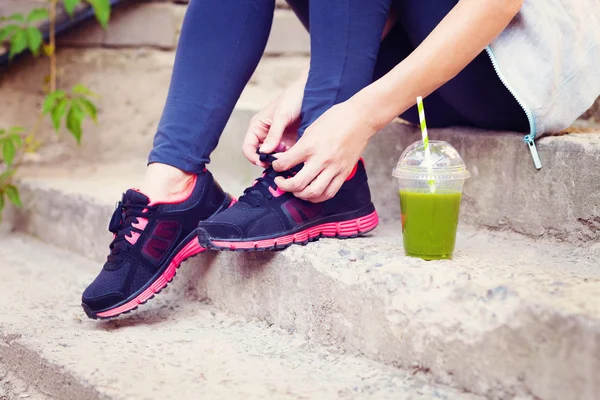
{"x": 561, "y": 201}
{"x": 178, "y": 349}
{"x": 152, "y": 24}
{"x": 288, "y": 35}
{"x": 508, "y": 316}
{"x": 132, "y": 84}
{"x": 12, "y": 387}
{"x": 132, "y": 25}
{"x": 496, "y": 160}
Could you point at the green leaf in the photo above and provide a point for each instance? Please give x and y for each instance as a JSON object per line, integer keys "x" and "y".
{"x": 70, "y": 6}
{"x": 34, "y": 39}
{"x": 87, "y": 107}
{"x": 8, "y": 151}
{"x": 15, "y": 130}
{"x": 6, "y": 175}
{"x": 16, "y": 139}
{"x": 102, "y": 10}
{"x": 18, "y": 43}
{"x": 74, "y": 120}
{"x": 51, "y": 99}
{"x": 37, "y": 14}
{"x": 58, "y": 113}
{"x": 16, "y": 17}
{"x": 7, "y": 31}
{"x": 12, "y": 193}
{"x": 83, "y": 90}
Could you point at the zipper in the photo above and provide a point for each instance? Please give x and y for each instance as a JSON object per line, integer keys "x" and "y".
{"x": 530, "y": 138}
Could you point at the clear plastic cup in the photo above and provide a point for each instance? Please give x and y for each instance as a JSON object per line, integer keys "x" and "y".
{"x": 430, "y": 193}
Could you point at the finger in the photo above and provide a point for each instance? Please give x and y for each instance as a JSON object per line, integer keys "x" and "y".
{"x": 274, "y": 135}
{"x": 249, "y": 149}
{"x": 302, "y": 179}
{"x": 297, "y": 154}
{"x": 331, "y": 190}
{"x": 317, "y": 187}
{"x": 257, "y": 131}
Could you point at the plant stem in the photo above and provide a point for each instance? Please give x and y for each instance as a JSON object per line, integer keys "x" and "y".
{"x": 52, "y": 13}
{"x": 21, "y": 156}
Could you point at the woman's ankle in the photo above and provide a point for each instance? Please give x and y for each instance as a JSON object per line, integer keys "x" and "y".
{"x": 163, "y": 183}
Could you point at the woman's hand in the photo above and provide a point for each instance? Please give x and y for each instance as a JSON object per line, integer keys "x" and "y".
{"x": 329, "y": 148}
{"x": 275, "y": 127}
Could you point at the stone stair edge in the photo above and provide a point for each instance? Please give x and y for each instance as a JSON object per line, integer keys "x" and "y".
{"x": 339, "y": 307}
{"x": 47, "y": 379}
{"x": 505, "y": 191}
{"x": 69, "y": 357}
{"x": 157, "y": 24}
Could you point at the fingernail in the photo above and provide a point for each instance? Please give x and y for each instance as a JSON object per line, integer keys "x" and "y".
{"x": 280, "y": 148}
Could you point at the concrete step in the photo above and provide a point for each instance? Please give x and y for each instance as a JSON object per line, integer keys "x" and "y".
{"x": 133, "y": 85}
{"x": 157, "y": 24}
{"x": 178, "y": 349}
{"x": 559, "y": 202}
{"x": 508, "y": 316}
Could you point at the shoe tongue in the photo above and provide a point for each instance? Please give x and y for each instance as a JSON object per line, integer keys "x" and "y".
{"x": 134, "y": 197}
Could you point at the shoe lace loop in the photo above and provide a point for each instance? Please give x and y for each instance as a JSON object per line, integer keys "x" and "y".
{"x": 255, "y": 194}
{"x": 121, "y": 225}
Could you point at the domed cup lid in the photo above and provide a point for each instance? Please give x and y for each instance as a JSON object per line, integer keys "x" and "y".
{"x": 442, "y": 164}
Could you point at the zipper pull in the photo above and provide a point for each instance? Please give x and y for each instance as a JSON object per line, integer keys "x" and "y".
{"x": 534, "y": 153}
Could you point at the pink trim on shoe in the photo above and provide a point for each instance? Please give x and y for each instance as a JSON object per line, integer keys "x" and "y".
{"x": 133, "y": 238}
{"x": 141, "y": 223}
{"x": 361, "y": 160}
{"x": 191, "y": 249}
{"x": 352, "y": 173}
{"x": 333, "y": 229}
{"x": 276, "y": 192}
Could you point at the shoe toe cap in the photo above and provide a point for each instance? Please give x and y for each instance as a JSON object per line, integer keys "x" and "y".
{"x": 106, "y": 291}
{"x": 101, "y": 302}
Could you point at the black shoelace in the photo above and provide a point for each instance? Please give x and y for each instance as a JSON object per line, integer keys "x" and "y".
{"x": 121, "y": 224}
{"x": 255, "y": 194}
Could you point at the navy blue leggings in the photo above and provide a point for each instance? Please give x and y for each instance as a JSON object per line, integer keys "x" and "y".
{"x": 222, "y": 42}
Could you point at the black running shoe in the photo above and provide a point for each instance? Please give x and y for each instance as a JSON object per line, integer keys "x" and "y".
{"x": 150, "y": 242}
{"x": 265, "y": 218}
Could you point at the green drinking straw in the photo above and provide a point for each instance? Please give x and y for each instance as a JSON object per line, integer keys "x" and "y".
{"x": 421, "y": 109}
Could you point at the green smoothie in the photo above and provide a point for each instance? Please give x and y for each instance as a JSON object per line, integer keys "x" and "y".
{"x": 429, "y": 222}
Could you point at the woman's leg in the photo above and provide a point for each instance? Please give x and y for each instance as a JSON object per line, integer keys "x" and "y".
{"x": 476, "y": 96}
{"x": 345, "y": 38}
{"x": 220, "y": 46}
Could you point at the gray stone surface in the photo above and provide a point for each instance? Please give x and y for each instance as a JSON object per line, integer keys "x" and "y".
{"x": 132, "y": 84}
{"x": 288, "y": 36}
{"x": 507, "y": 315}
{"x": 12, "y": 387}
{"x": 506, "y": 192}
{"x": 132, "y": 25}
{"x": 158, "y": 25}
{"x": 9, "y": 7}
{"x": 561, "y": 201}
{"x": 178, "y": 349}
